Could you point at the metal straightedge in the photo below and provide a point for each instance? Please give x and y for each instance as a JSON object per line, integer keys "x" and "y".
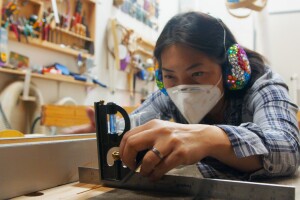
{"x": 198, "y": 188}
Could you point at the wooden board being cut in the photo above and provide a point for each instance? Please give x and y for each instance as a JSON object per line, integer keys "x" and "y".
{"x": 64, "y": 115}
{"x": 68, "y": 115}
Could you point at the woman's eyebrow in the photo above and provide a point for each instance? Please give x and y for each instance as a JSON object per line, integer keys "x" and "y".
{"x": 167, "y": 70}
{"x": 188, "y": 68}
{"x": 194, "y": 66}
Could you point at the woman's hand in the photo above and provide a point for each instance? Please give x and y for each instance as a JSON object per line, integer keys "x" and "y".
{"x": 86, "y": 128}
{"x": 179, "y": 144}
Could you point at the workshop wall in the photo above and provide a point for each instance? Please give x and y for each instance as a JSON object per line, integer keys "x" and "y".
{"x": 274, "y": 33}
{"x": 53, "y": 91}
{"x": 105, "y": 11}
{"x": 241, "y": 28}
{"x": 244, "y": 30}
{"x": 285, "y": 42}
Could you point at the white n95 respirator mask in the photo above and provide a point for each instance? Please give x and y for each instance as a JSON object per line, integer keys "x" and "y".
{"x": 195, "y": 101}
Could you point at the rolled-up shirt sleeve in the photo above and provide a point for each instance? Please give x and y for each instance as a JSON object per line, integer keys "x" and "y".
{"x": 272, "y": 133}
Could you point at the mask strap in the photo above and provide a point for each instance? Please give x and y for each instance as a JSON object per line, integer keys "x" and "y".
{"x": 218, "y": 88}
{"x": 219, "y": 81}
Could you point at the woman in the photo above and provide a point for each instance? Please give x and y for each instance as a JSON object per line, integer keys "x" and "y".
{"x": 233, "y": 116}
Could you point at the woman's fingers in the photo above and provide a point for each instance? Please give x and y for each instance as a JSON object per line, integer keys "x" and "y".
{"x": 139, "y": 129}
{"x": 135, "y": 143}
{"x": 85, "y": 128}
{"x": 169, "y": 162}
{"x": 91, "y": 115}
{"x": 153, "y": 157}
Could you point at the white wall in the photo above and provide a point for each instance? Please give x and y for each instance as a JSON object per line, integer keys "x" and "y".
{"x": 284, "y": 17}
{"x": 241, "y": 28}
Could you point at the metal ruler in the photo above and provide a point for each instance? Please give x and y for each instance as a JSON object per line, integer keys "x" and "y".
{"x": 198, "y": 188}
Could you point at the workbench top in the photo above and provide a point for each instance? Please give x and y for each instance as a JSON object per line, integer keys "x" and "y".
{"x": 78, "y": 190}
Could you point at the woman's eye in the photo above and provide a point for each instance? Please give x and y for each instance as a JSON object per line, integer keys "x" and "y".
{"x": 168, "y": 77}
{"x": 196, "y": 74}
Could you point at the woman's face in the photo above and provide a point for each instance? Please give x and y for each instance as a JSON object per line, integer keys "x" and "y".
{"x": 182, "y": 65}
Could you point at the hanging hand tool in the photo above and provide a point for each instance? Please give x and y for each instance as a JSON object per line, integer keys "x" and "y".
{"x": 15, "y": 29}
{"x": 23, "y": 28}
{"x": 55, "y": 11}
{"x": 10, "y": 10}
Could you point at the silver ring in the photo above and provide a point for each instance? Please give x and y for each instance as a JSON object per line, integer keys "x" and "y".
{"x": 156, "y": 152}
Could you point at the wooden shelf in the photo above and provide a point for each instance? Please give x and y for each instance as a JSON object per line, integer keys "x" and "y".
{"x": 143, "y": 52}
{"x": 49, "y": 45}
{"x": 147, "y": 43}
{"x": 59, "y": 78}
{"x": 74, "y": 34}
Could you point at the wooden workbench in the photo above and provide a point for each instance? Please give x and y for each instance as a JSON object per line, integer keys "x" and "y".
{"x": 69, "y": 191}
{"x": 80, "y": 191}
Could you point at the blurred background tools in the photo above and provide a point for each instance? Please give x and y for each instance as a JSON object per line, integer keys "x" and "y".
{"x": 52, "y": 21}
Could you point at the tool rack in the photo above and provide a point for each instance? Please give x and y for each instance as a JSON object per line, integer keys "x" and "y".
{"x": 64, "y": 37}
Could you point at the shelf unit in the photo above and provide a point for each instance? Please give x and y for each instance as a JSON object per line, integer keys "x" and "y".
{"x": 49, "y": 45}
{"x": 59, "y": 78}
{"x": 74, "y": 34}
{"x": 69, "y": 42}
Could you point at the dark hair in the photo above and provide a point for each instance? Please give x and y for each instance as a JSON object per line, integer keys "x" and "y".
{"x": 205, "y": 34}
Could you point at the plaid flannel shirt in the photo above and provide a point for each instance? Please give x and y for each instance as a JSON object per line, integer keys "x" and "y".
{"x": 262, "y": 122}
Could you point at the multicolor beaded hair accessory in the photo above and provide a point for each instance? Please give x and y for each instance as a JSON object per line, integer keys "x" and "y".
{"x": 159, "y": 81}
{"x": 238, "y": 71}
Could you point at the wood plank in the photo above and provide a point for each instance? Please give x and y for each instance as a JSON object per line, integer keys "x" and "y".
{"x": 63, "y": 115}
{"x": 68, "y": 115}
{"x": 69, "y": 191}
{"x": 38, "y": 139}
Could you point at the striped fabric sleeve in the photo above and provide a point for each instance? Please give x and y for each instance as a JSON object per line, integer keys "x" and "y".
{"x": 156, "y": 106}
{"x": 274, "y": 132}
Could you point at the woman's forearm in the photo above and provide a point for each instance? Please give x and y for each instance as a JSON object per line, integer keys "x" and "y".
{"x": 222, "y": 150}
